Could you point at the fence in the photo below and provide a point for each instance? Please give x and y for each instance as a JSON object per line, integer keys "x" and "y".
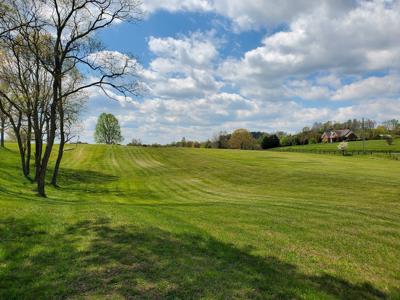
{"x": 382, "y": 153}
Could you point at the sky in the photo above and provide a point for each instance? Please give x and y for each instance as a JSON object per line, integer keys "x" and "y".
{"x": 218, "y": 65}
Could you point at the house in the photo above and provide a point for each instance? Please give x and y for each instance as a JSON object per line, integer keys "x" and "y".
{"x": 338, "y": 136}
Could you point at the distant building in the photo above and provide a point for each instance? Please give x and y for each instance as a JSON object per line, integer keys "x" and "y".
{"x": 338, "y": 136}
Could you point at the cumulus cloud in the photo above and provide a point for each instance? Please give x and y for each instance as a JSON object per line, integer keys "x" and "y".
{"x": 252, "y": 14}
{"x": 160, "y": 120}
{"x": 348, "y": 44}
{"x": 151, "y": 6}
{"x": 370, "y": 88}
{"x": 183, "y": 67}
{"x": 307, "y": 91}
{"x": 197, "y": 50}
{"x": 322, "y": 58}
{"x": 329, "y": 51}
{"x": 384, "y": 109}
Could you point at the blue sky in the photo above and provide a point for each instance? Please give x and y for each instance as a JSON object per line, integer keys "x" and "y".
{"x": 212, "y": 65}
{"x": 133, "y": 38}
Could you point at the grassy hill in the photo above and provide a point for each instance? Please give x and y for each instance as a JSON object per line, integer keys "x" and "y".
{"x": 159, "y": 223}
{"x": 373, "y": 145}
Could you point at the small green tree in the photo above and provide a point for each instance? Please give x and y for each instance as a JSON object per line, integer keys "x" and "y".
{"x": 108, "y": 130}
{"x": 221, "y": 140}
{"x": 208, "y": 144}
{"x": 270, "y": 141}
{"x": 242, "y": 139}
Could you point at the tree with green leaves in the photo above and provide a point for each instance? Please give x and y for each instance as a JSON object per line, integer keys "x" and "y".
{"x": 71, "y": 28}
{"x": 242, "y": 139}
{"x": 108, "y": 130}
{"x": 270, "y": 141}
{"x": 221, "y": 140}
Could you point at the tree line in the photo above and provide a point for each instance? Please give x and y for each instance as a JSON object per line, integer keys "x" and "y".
{"x": 248, "y": 140}
{"x": 108, "y": 131}
{"x": 50, "y": 58}
{"x": 368, "y": 129}
{"x": 238, "y": 139}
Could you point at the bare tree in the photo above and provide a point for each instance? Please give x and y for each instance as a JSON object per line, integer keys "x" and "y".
{"x": 70, "y": 26}
{"x": 12, "y": 107}
{"x": 25, "y": 95}
{"x": 391, "y": 125}
{"x": 10, "y": 20}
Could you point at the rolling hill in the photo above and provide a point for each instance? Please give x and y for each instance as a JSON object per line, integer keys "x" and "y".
{"x": 371, "y": 145}
{"x": 156, "y": 223}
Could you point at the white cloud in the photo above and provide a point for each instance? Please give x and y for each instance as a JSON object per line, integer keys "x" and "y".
{"x": 183, "y": 67}
{"x": 151, "y": 6}
{"x": 370, "y": 88}
{"x": 331, "y": 50}
{"x": 197, "y": 50}
{"x": 331, "y": 81}
{"x": 307, "y": 91}
{"x": 363, "y": 40}
{"x": 384, "y": 109}
{"x": 165, "y": 120}
{"x": 252, "y": 14}
{"x": 113, "y": 61}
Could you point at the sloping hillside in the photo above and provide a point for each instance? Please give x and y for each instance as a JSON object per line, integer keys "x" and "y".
{"x": 372, "y": 145}
{"x": 160, "y": 223}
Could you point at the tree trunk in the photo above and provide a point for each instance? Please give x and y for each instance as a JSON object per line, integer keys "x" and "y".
{"x": 58, "y": 163}
{"x": 51, "y": 132}
{"x": 38, "y": 154}
{"x": 3, "y": 124}
{"x": 21, "y": 152}
{"x": 62, "y": 144}
{"x": 38, "y": 133}
{"x": 28, "y": 148}
{"x": 41, "y": 180}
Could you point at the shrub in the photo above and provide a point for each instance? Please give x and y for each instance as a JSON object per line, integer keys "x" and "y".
{"x": 389, "y": 139}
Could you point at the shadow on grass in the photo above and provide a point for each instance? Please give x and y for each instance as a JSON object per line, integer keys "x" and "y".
{"x": 67, "y": 177}
{"x": 95, "y": 259}
{"x": 78, "y": 181}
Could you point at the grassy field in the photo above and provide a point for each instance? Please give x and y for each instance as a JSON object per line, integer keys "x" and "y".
{"x": 373, "y": 145}
{"x": 156, "y": 223}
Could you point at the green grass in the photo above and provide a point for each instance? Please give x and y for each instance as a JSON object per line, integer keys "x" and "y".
{"x": 158, "y": 223}
{"x": 372, "y": 145}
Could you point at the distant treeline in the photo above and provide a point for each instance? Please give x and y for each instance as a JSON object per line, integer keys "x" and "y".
{"x": 253, "y": 140}
{"x": 368, "y": 129}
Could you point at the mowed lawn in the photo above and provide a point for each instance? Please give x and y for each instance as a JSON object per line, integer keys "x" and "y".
{"x": 371, "y": 145}
{"x": 176, "y": 223}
